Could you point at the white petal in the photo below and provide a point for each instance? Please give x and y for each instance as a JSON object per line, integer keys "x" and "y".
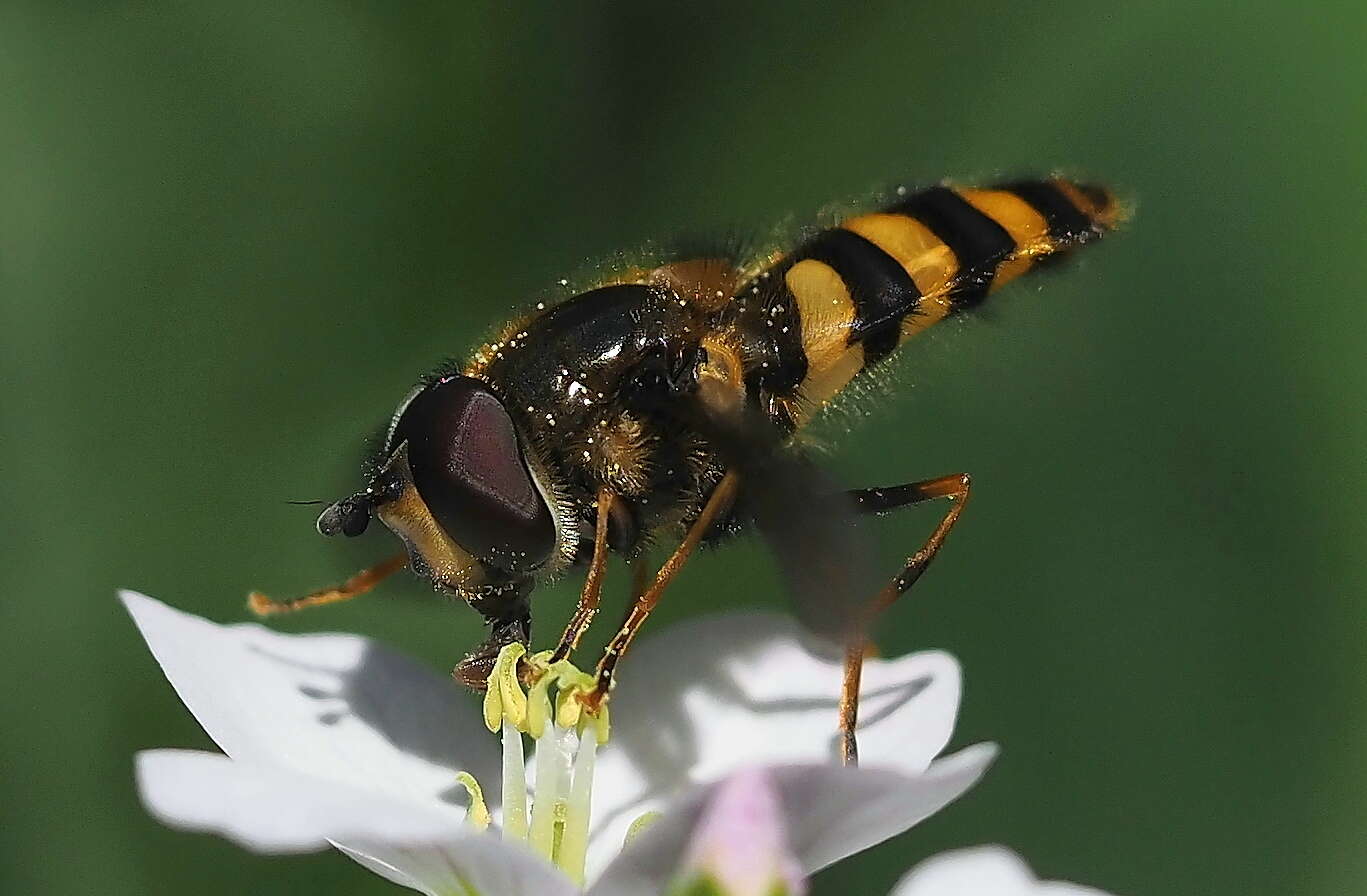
{"x": 334, "y": 707}
{"x": 981, "y": 871}
{"x": 273, "y": 810}
{"x": 473, "y": 864}
{"x": 836, "y": 812}
{"x": 717, "y": 694}
{"x": 830, "y": 812}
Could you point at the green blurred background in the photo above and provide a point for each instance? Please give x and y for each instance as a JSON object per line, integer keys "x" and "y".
{"x": 234, "y": 233}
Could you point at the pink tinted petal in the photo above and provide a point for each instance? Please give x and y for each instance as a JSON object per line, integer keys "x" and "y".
{"x": 739, "y": 841}
{"x": 830, "y": 813}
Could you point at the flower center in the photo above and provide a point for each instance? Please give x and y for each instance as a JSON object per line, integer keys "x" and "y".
{"x": 555, "y": 822}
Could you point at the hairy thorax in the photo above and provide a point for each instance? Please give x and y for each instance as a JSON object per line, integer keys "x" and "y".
{"x": 595, "y": 382}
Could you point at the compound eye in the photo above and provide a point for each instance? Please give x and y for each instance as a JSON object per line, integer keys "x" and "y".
{"x": 469, "y": 469}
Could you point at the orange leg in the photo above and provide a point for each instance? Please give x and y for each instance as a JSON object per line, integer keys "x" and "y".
{"x": 593, "y": 582}
{"x": 355, "y": 586}
{"x": 956, "y": 488}
{"x": 645, "y": 601}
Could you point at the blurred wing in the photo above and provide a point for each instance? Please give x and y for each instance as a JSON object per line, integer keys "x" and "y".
{"x": 827, "y": 561}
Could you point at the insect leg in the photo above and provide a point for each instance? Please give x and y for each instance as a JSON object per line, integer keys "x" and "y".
{"x": 645, "y": 601}
{"x": 880, "y": 501}
{"x": 593, "y": 582}
{"x": 355, "y": 586}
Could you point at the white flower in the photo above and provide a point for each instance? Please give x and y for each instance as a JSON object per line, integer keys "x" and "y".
{"x": 333, "y": 739}
{"x": 981, "y": 871}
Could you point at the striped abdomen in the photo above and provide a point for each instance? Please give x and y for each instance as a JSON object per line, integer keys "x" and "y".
{"x": 850, "y": 295}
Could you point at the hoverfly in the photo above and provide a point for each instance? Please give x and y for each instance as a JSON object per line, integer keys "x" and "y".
{"x": 662, "y": 408}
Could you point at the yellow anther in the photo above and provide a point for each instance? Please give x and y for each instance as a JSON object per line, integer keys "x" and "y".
{"x": 539, "y": 705}
{"x": 503, "y": 698}
{"x": 493, "y": 707}
{"x": 572, "y": 710}
{"x": 532, "y": 711}
{"x": 600, "y": 724}
{"x": 479, "y": 811}
{"x": 640, "y": 826}
{"x": 539, "y": 662}
{"x": 569, "y": 708}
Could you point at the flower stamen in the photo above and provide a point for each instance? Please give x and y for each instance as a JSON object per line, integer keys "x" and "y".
{"x": 640, "y": 826}
{"x": 574, "y": 843}
{"x": 479, "y": 811}
{"x": 514, "y": 784}
{"x": 567, "y": 734}
{"x": 552, "y": 773}
{"x": 503, "y": 698}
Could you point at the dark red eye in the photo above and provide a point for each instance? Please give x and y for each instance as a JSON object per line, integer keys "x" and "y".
{"x": 468, "y": 467}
